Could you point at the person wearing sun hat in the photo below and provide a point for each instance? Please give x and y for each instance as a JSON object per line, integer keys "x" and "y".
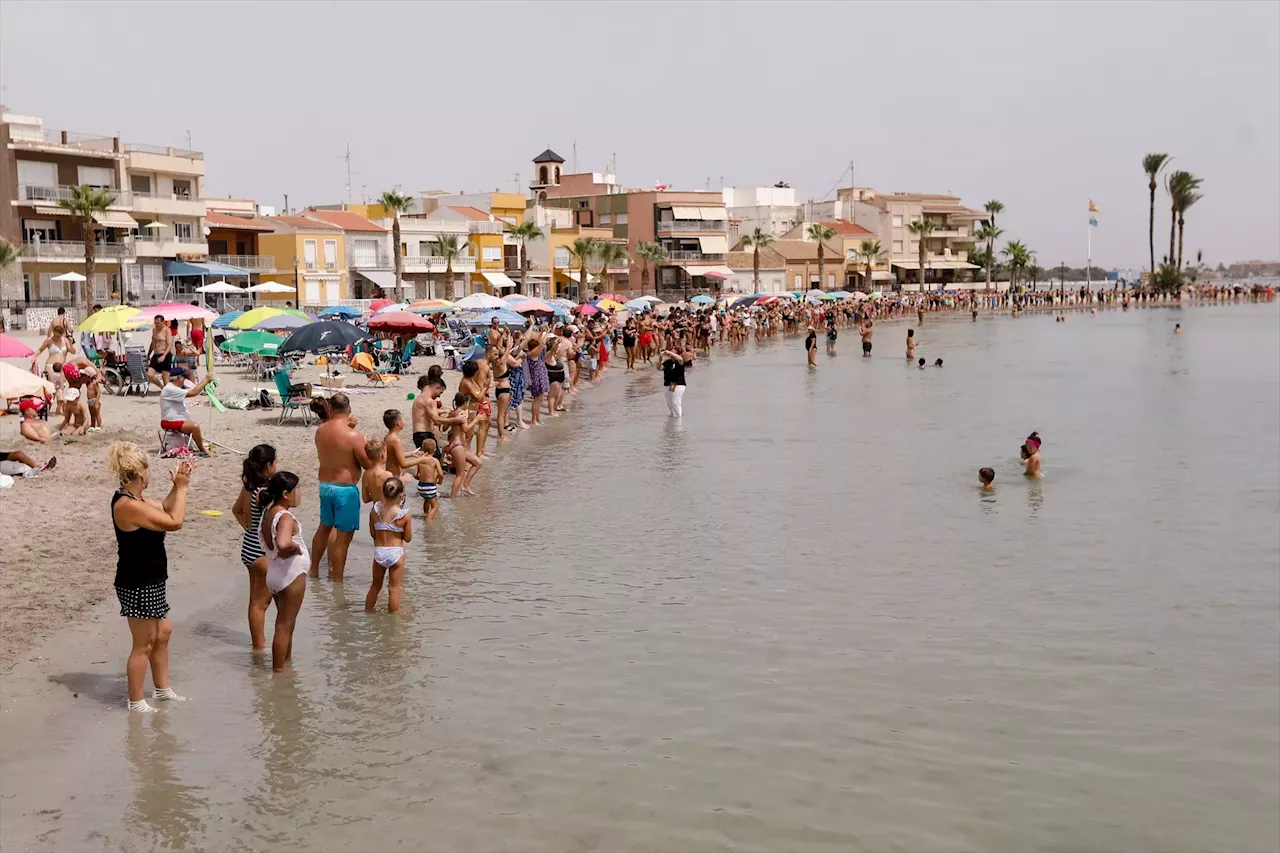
{"x": 174, "y": 416}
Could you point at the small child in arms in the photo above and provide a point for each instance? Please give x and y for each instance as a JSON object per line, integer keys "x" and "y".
{"x": 391, "y": 527}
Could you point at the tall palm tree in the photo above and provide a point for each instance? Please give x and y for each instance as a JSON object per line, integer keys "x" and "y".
{"x": 1152, "y": 164}
{"x": 989, "y": 233}
{"x": 820, "y": 234}
{"x": 447, "y": 247}
{"x": 524, "y": 232}
{"x": 1187, "y": 196}
{"x": 922, "y": 228}
{"x": 84, "y": 204}
{"x": 396, "y": 203}
{"x": 1180, "y": 185}
{"x": 1018, "y": 257}
{"x": 757, "y": 240}
{"x": 649, "y": 253}
{"x": 994, "y": 207}
{"x": 871, "y": 252}
{"x": 608, "y": 253}
{"x": 582, "y": 249}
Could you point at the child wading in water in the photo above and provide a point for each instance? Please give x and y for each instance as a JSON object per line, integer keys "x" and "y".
{"x": 376, "y": 474}
{"x": 287, "y": 561}
{"x": 987, "y": 476}
{"x": 430, "y": 472}
{"x": 391, "y": 527}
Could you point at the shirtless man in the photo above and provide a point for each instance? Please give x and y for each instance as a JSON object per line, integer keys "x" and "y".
{"x": 160, "y": 353}
{"x": 342, "y": 459}
{"x": 865, "y": 331}
{"x": 195, "y": 332}
{"x": 32, "y": 428}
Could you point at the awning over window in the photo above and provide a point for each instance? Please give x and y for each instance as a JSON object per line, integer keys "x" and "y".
{"x": 52, "y": 211}
{"x": 115, "y": 219}
{"x": 172, "y": 268}
{"x": 384, "y": 279}
{"x": 499, "y": 280}
{"x": 719, "y": 270}
{"x": 714, "y": 213}
{"x": 686, "y": 212}
{"x": 714, "y": 244}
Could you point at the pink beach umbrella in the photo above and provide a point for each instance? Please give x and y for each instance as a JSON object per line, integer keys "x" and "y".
{"x": 174, "y": 311}
{"x": 11, "y": 347}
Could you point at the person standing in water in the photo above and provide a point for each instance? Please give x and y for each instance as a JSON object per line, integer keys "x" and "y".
{"x": 911, "y": 344}
{"x": 866, "y": 331}
{"x": 673, "y": 364}
{"x": 811, "y": 347}
{"x": 1031, "y": 451}
{"x": 259, "y": 468}
{"x": 281, "y": 536}
{"x": 342, "y": 459}
{"x": 831, "y": 334}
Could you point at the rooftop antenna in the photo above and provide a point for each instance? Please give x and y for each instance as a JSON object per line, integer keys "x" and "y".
{"x": 188, "y": 140}
{"x": 575, "y": 157}
{"x": 347, "y": 157}
{"x": 515, "y": 177}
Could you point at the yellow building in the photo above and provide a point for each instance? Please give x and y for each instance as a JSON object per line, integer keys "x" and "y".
{"x": 564, "y": 264}
{"x": 310, "y": 256}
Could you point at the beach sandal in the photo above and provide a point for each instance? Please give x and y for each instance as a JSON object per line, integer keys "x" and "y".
{"x": 49, "y": 466}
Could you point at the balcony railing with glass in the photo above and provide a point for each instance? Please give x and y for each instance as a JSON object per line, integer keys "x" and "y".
{"x": 170, "y": 196}
{"x": 669, "y": 225}
{"x": 368, "y": 260}
{"x": 253, "y": 263}
{"x": 74, "y": 249}
{"x": 678, "y": 255}
{"x": 434, "y": 264}
{"x": 35, "y": 194}
{"x": 165, "y": 150}
{"x": 24, "y": 135}
{"x": 484, "y": 227}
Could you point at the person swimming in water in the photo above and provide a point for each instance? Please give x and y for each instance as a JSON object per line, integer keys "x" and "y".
{"x": 987, "y": 476}
{"x": 1177, "y": 328}
{"x": 1031, "y": 455}
{"x": 921, "y": 363}
{"x": 938, "y": 363}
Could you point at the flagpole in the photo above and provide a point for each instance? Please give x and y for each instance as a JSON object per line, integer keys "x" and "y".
{"x": 1088, "y": 264}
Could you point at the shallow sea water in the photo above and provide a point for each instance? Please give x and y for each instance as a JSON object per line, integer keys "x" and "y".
{"x": 790, "y": 622}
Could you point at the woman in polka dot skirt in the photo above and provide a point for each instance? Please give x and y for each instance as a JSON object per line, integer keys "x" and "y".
{"x": 142, "y": 567}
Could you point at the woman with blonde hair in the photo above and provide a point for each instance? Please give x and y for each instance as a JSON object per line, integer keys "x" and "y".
{"x": 142, "y": 567}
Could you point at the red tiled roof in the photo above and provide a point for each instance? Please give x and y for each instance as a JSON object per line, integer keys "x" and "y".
{"x": 848, "y": 229}
{"x": 346, "y": 220}
{"x": 470, "y": 212}
{"x": 225, "y": 220}
{"x": 303, "y": 223}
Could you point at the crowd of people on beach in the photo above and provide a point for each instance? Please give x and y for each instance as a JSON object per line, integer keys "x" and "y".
{"x": 522, "y": 379}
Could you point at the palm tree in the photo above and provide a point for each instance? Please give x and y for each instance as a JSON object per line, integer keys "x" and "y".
{"x": 757, "y": 240}
{"x": 1152, "y": 164}
{"x": 922, "y": 228}
{"x": 396, "y": 203}
{"x": 1018, "y": 257}
{"x": 583, "y": 248}
{"x": 1187, "y": 196}
{"x": 649, "y": 253}
{"x": 993, "y": 207}
{"x": 8, "y": 254}
{"x": 84, "y": 204}
{"x": 524, "y": 232}
{"x": 820, "y": 234}
{"x": 608, "y": 253}
{"x": 1180, "y": 186}
{"x": 447, "y": 247}
{"x": 871, "y": 252}
{"x": 990, "y": 233}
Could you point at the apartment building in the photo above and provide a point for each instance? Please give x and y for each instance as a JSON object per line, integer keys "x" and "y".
{"x": 947, "y": 247}
{"x": 166, "y": 187}
{"x": 310, "y": 255}
{"x": 771, "y": 209}
{"x": 489, "y": 246}
{"x": 234, "y": 226}
{"x": 368, "y": 251}
{"x": 850, "y": 267}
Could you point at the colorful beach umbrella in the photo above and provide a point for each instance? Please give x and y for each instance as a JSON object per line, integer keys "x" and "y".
{"x": 17, "y": 382}
{"x": 535, "y": 306}
{"x": 173, "y": 311}
{"x": 400, "y": 323}
{"x": 702, "y": 299}
{"x": 345, "y": 311}
{"x": 505, "y": 318}
{"x": 424, "y": 304}
{"x": 380, "y": 303}
{"x": 515, "y": 297}
{"x": 260, "y": 343}
{"x": 111, "y": 319}
{"x": 11, "y": 347}
{"x": 480, "y": 302}
{"x": 281, "y": 322}
{"x": 395, "y": 306}
{"x": 250, "y": 319}
{"x": 224, "y": 321}
{"x": 604, "y": 303}
{"x": 588, "y": 308}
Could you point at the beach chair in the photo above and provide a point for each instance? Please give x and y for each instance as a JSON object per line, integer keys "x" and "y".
{"x": 173, "y": 441}
{"x": 129, "y": 376}
{"x": 293, "y": 399}
{"x": 402, "y": 363}
{"x": 362, "y": 363}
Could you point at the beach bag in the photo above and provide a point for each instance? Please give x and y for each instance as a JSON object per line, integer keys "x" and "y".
{"x": 265, "y": 401}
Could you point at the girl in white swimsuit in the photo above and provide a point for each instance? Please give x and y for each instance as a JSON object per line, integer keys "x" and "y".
{"x": 391, "y": 527}
{"x": 287, "y": 561}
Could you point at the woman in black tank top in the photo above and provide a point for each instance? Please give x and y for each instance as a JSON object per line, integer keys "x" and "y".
{"x": 142, "y": 566}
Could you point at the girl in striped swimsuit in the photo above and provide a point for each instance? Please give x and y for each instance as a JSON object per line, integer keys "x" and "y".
{"x": 259, "y": 466}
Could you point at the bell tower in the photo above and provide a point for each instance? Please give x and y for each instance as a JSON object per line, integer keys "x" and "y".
{"x": 546, "y": 173}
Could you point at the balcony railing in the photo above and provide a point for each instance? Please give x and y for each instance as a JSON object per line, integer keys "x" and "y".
{"x": 691, "y": 225}
{"x": 75, "y": 249}
{"x": 53, "y": 195}
{"x": 254, "y": 263}
{"x": 484, "y": 227}
{"x": 170, "y": 196}
{"x": 161, "y": 149}
{"x": 369, "y": 260}
{"x": 433, "y": 264}
{"x": 677, "y": 255}
{"x": 25, "y": 135}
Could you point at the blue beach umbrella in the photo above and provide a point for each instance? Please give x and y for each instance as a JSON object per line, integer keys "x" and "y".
{"x": 225, "y": 320}
{"x": 702, "y": 299}
{"x": 346, "y": 312}
{"x": 505, "y": 318}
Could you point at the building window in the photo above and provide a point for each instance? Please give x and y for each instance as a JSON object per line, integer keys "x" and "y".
{"x": 95, "y": 176}
{"x": 39, "y": 230}
{"x": 181, "y": 188}
{"x": 897, "y": 247}
{"x": 619, "y": 219}
{"x": 797, "y": 281}
{"x": 542, "y": 175}
{"x": 491, "y": 253}
{"x": 182, "y": 231}
{"x": 140, "y": 184}
{"x": 606, "y": 219}
{"x": 309, "y": 253}
{"x": 331, "y": 254}
{"x": 562, "y": 257}
{"x": 897, "y": 221}
{"x": 425, "y": 249}
{"x": 557, "y": 174}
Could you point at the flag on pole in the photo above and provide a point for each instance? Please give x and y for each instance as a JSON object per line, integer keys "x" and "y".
{"x": 1093, "y": 208}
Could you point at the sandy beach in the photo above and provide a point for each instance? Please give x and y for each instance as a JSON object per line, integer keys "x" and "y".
{"x": 63, "y": 566}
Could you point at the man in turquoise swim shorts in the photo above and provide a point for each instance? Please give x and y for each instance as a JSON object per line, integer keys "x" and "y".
{"x": 342, "y": 460}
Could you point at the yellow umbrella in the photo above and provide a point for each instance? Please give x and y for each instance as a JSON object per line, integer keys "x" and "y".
{"x": 249, "y": 319}
{"x": 111, "y": 319}
{"x": 610, "y": 305}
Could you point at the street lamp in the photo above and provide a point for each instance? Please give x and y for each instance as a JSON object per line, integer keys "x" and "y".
{"x": 297, "y": 296}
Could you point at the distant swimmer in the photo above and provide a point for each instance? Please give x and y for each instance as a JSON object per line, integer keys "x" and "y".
{"x": 922, "y": 364}
{"x": 866, "y": 332}
{"x": 911, "y": 344}
{"x": 1031, "y": 455}
{"x": 811, "y": 347}
{"x": 987, "y": 476}
{"x": 1177, "y": 328}
{"x": 937, "y": 363}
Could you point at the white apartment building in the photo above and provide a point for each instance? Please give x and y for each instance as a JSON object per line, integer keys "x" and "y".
{"x": 771, "y": 209}
{"x": 166, "y": 186}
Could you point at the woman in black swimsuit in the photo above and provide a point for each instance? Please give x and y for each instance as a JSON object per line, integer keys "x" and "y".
{"x": 142, "y": 566}
{"x": 629, "y": 336}
{"x": 555, "y": 375}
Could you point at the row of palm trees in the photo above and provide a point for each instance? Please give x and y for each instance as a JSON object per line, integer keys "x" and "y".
{"x": 1183, "y": 189}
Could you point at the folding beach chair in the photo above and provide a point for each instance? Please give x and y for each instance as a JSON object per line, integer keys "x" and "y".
{"x": 130, "y": 377}
{"x": 293, "y": 398}
{"x": 400, "y": 364}
{"x": 362, "y": 363}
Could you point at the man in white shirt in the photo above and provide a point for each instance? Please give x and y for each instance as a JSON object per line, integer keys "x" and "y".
{"x": 174, "y": 416}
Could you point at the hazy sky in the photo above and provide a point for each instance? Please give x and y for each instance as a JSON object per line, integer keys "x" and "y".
{"x": 1041, "y": 105}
